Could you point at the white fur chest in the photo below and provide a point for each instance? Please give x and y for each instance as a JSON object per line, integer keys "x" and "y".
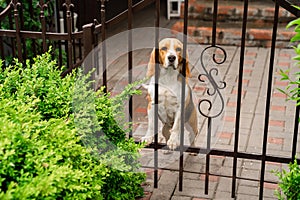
{"x": 169, "y": 94}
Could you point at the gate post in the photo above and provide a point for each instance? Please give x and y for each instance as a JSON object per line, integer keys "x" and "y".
{"x": 88, "y": 42}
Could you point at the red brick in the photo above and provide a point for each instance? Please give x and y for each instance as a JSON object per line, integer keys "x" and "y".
{"x": 251, "y": 53}
{"x": 225, "y": 135}
{"x": 229, "y": 119}
{"x": 141, "y": 110}
{"x": 274, "y": 163}
{"x": 285, "y": 55}
{"x": 218, "y": 157}
{"x": 249, "y": 62}
{"x": 271, "y": 186}
{"x": 199, "y": 88}
{"x": 211, "y": 178}
{"x": 232, "y": 104}
{"x": 280, "y": 95}
{"x": 226, "y": 10}
{"x": 123, "y": 83}
{"x": 277, "y": 123}
{"x": 272, "y": 140}
{"x": 268, "y": 11}
{"x": 260, "y": 34}
{"x": 247, "y": 71}
{"x": 283, "y": 64}
{"x": 236, "y": 92}
{"x": 281, "y": 83}
{"x": 245, "y": 81}
{"x": 278, "y": 108}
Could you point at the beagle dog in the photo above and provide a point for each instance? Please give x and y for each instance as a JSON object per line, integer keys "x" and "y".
{"x": 169, "y": 99}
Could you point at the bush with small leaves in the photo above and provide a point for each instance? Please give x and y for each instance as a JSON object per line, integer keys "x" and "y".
{"x": 51, "y": 148}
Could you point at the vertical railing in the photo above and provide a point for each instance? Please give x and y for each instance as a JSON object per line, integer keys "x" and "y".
{"x": 129, "y": 27}
{"x": 68, "y": 5}
{"x": 15, "y": 5}
{"x": 156, "y": 79}
{"x": 296, "y": 129}
{"x": 268, "y": 101}
{"x": 42, "y": 6}
{"x": 88, "y": 41}
{"x": 183, "y": 84}
{"x": 58, "y": 29}
{"x": 103, "y": 42}
{"x": 239, "y": 100}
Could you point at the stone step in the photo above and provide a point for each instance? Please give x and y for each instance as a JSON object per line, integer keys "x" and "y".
{"x": 258, "y": 11}
{"x": 230, "y": 34}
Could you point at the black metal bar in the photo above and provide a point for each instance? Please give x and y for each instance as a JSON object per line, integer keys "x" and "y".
{"x": 68, "y": 5}
{"x": 183, "y": 85}
{"x": 268, "y": 101}
{"x": 73, "y": 41}
{"x": 296, "y": 129}
{"x": 58, "y": 29}
{"x": 80, "y": 48}
{"x": 286, "y": 5}
{"x": 215, "y": 18}
{"x": 156, "y": 79}
{"x": 2, "y": 50}
{"x": 130, "y": 62}
{"x": 239, "y": 99}
{"x": 11, "y": 26}
{"x": 212, "y": 174}
{"x": 103, "y": 37}
{"x": 218, "y": 152}
{"x": 16, "y": 4}
{"x": 208, "y": 146}
{"x": 42, "y": 6}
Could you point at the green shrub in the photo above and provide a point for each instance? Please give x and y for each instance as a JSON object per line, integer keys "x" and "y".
{"x": 43, "y": 159}
{"x": 289, "y": 182}
{"x": 60, "y": 140}
{"x": 292, "y": 90}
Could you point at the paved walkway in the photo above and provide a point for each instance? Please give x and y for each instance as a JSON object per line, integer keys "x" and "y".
{"x": 251, "y": 131}
{"x": 255, "y": 78}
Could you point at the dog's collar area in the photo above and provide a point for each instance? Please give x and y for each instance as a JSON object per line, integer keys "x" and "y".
{"x": 172, "y": 66}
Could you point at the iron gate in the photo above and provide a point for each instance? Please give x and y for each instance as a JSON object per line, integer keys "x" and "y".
{"x": 96, "y": 32}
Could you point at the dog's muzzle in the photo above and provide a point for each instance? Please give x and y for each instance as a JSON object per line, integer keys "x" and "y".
{"x": 171, "y": 60}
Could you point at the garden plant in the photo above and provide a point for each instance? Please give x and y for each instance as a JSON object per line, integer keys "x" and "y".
{"x": 53, "y": 148}
{"x": 289, "y": 181}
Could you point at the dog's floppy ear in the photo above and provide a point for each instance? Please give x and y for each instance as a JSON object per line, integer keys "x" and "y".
{"x": 187, "y": 68}
{"x": 151, "y": 65}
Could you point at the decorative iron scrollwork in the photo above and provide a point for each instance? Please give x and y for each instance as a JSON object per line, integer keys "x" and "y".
{"x": 216, "y": 87}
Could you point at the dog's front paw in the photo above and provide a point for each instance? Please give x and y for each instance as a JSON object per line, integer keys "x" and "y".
{"x": 147, "y": 139}
{"x": 173, "y": 142}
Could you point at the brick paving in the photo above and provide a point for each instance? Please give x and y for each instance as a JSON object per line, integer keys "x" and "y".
{"x": 255, "y": 72}
{"x": 251, "y": 129}
{"x": 230, "y": 15}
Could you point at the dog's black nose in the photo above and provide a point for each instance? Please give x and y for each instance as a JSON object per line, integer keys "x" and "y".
{"x": 171, "y": 58}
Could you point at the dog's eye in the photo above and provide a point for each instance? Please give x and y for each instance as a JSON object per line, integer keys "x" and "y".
{"x": 164, "y": 48}
{"x": 178, "y": 49}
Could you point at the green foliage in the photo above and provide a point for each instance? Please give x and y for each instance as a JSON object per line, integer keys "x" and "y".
{"x": 41, "y": 82}
{"x": 293, "y": 90}
{"x": 289, "y": 182}
{"x": 43, "y": 159}
{"x": 60, "y": 144}
{"x": 30, "y": 16}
